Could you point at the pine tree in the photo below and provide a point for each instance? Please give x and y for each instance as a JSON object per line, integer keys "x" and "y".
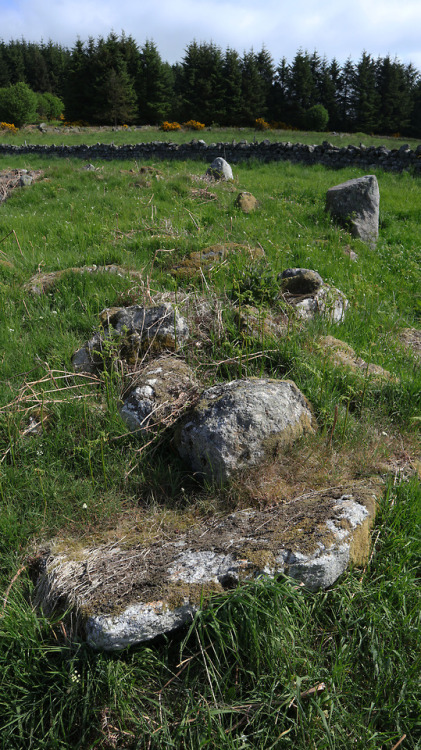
{"x": 200, "y": 86}
{"x": 154, "y": 86}
{"x": 366, "y": 98}
{"x": 302, "y": 87}
{"x": 231, "y": 71}
{"x": 281, "y": 103}
{"x": 394, "y": 91}
{"x": 346, "y": 98}
{"x": 252, "y": 89}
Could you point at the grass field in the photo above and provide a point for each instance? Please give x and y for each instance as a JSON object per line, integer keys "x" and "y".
{"x": 240, "y": 676}
{"x": 75, "y": 135}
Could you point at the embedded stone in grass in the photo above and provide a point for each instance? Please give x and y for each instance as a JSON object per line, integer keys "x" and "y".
{"x": 355, "y": 204}
{"x": 159, "y": 394}
{"x": 220, "y": 170}
{"x": 247, "y": 202}
{"x": 411, "y": 340}
{"x": 128, "y": 593}
{"x": 234, "y": 424}
{"x": 327, "y": 302}
{"x": 343, "y": 355}
{"x": 44, "y": 281}
{"x": 261, "y": 324}
{"x": 211, "y": 257}
{"x": 133, "y": 330}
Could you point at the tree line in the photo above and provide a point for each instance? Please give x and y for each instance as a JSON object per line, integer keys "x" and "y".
{"x": 114, "y": 80}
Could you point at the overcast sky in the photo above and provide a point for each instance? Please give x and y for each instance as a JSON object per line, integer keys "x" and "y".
{"x": 335, "y": 28}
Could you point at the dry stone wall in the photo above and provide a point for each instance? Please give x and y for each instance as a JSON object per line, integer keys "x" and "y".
{"x": 395, "y": 160}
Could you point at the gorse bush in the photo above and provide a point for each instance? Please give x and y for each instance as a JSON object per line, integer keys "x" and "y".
{"x": 193, "y": 125}
{"x": 169, "y": 126}
{"x": 261, "y": 124}
{"x": 8, "y": 127}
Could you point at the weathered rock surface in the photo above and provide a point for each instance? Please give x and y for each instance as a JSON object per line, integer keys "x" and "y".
{"x": 128, "y": 594}
{"x": 134, "y": 330}
{"x": 234, "y": 424}
{"x": 220, "y": 170}
{"x": 327, "y": 301}
{"x": 246, "y": 202}
{"x": 160, "y": 393}
{"x": 355, "y": 204}
{"x": 16, "y": 178}
{"x": 343, "y": 355}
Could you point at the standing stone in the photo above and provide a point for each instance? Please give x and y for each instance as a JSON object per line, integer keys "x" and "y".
{"x": 220, "y": 170}
{"x": 355, "y": 204}
{"x": 235, "y": 424}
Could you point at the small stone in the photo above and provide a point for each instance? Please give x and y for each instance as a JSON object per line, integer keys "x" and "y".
{"x": 247, "y": 202}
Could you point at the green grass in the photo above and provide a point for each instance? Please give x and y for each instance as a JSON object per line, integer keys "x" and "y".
{"x": 230, "y": 681}
{"x": 91, "y": 135}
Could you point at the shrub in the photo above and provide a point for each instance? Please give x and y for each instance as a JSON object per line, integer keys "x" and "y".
{"x": 49, "y": 107}
{"x": 9, "y": 127}
{"x": 18, "y": 104}
{"x": 316, "y": 118}
{"x": 194, "y": 125}
{"x": 168, "y": 126}
{"x": 261, "y": 124}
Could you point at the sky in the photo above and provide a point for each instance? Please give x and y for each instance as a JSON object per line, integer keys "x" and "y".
{"x": 334, "y": 28}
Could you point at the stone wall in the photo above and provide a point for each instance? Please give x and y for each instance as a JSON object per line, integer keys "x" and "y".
{"x": 371, "y": 157}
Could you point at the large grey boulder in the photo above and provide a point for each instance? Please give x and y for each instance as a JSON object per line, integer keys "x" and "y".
{"x": 133, "y": 330}
{"x": 161, "y": 392}
{"x": 355, "y": 204}
{"x": 220, "y": 170}
{"x": 234, "y": 424}
{"x": 123, "y": 594}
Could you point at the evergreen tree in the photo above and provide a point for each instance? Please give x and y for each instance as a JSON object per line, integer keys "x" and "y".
{"x": 201, "y": 90}
{"x": 36, "y": 71}
{"x": 231, "y": 72}
{"x": 4, "y": 68}
{"x": 280, "y": 101}
{"x": 302, "y": 87}
{"x": 113, "y": 97}
{"x": 346, "y": 96}
{"x": 266, "y": 68}
{"x": 252, "y": 90}
{"x": 79, "y": 90}
{"x": 366, "y": 98}
{"x": 394, "y": 92}
{"x": 154, "y": 84}
{"x": 15, "y": 61}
